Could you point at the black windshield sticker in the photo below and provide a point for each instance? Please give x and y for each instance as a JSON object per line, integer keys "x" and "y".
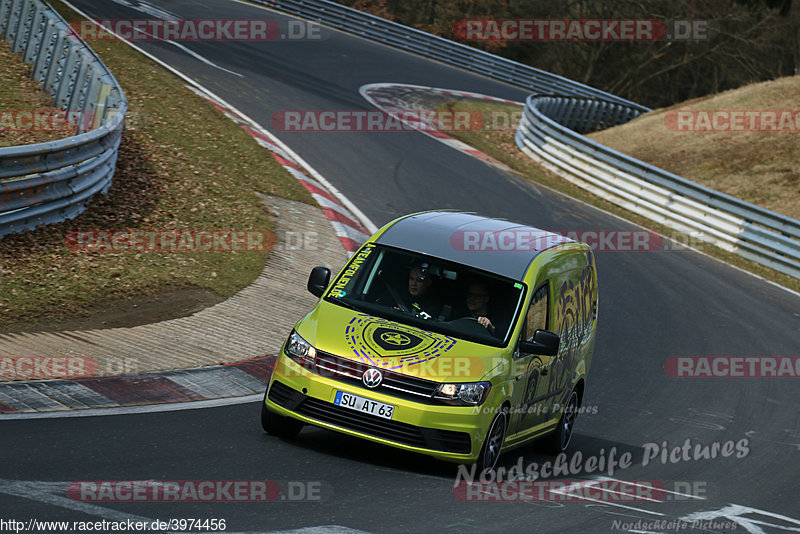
{"x": 373, "y": 338}
{"x": 391, "y": 339}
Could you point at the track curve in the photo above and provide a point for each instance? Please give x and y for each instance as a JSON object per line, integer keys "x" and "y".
{"x": 653, "y": 305}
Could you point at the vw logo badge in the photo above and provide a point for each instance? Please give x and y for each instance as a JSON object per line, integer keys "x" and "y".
{"x": 372, "y": 378}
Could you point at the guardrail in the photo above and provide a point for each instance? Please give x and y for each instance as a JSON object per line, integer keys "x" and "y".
{"x": 50, "y": 182}
{"x": 550, "y": 133}
{"x": 435, "y": 47}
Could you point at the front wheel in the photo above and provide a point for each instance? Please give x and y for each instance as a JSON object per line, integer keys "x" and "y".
{"x": 490, "y": 451}
{"x": 561, "y": 438}
{"x": 278, "y": 425}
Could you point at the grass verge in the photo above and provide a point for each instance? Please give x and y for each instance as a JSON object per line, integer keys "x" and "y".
{"x": 182, "y": 166}
{"x": 500, "y": 145}
{"x": 758, "y": 166}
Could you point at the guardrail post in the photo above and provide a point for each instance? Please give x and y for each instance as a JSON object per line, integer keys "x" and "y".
{"x": 5, "y": 16}
{"x": 45, "y": 52}
{"x": 21, "y": 34}
{"x": 102, "y": 96}
{"x": 66, "y": 79}
{"x": 53, "y": 68}
{"x": 13, "y": 21}
{"x": 34, "y": 35}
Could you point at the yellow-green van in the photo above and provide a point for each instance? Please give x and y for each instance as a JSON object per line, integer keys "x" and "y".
{"x": 448, "y": 334}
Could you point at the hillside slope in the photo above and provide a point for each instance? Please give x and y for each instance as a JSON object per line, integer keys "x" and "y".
{"x": 745, "y": 155}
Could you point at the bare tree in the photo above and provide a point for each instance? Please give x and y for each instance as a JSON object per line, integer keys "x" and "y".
{"x": 746, "y": 41}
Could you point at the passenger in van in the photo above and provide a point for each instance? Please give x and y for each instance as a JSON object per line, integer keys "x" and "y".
{"x": 478, "y": 298}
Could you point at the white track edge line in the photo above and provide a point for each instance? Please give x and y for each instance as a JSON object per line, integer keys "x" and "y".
{"x": 363, "y": 219}
{"x": 128, "y": 410}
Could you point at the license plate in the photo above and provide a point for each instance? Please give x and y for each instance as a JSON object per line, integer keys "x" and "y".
{"x": 360, "y": 404}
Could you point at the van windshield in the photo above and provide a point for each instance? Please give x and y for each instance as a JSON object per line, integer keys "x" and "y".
{"x": 430, "y": 293}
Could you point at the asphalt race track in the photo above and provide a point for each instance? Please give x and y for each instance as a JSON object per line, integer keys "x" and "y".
{"x": 653, "y": 305}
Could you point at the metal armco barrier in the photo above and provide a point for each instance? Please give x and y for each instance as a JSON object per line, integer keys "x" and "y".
{"x": 549, "y": 132}
{"x": 50, "y": 182}
{"x": 434, "y": 47}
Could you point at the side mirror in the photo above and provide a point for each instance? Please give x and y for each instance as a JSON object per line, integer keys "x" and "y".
{"x": 544, "y": 342}
{"x": 318, "y": 280}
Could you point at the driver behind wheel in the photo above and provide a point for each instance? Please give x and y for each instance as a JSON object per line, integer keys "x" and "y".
{"x": 420, "y": 298}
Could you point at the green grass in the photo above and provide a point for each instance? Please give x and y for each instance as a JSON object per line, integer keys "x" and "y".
{"x": 182, "y": 166}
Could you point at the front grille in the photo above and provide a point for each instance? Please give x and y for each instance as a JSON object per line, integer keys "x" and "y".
{"x": 426, "y": 438}
{"x": 394, "y": 384}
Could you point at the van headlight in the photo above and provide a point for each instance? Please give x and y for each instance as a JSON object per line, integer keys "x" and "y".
{"x": 469, "y": 394}
{"x": 300, "y": 350}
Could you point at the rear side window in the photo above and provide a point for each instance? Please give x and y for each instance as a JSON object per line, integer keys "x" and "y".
{"x": 537, "y": 312}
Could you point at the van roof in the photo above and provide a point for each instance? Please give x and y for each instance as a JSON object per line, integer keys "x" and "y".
{"x": 493, "y": 245}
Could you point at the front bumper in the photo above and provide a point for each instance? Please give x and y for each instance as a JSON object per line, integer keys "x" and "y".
{"x": 453, "y": 433}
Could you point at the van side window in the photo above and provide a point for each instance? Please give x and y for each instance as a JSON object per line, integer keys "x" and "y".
{"x": 537, "y": 313}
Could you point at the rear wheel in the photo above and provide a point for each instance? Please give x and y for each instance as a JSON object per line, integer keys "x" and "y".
{"x": 559, "y": 440}
{"x": 490, "y": 451}
{"x": 278, "y": 425}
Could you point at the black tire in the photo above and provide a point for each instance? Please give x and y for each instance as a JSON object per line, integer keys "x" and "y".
{"x": 490, "y": 451}
{"x": 278, "y": 425}
{"x": 559, "y": 440}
